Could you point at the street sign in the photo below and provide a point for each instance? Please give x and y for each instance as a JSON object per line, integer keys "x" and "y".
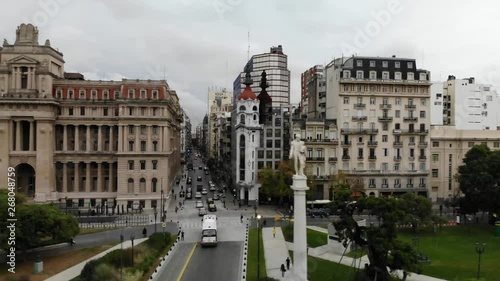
{"x": 163, "y": 224}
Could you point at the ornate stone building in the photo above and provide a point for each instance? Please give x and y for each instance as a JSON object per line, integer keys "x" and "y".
{"x": 87, "y": 142}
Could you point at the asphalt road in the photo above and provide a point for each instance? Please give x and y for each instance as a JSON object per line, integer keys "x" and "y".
{"x": 221, "y": 263}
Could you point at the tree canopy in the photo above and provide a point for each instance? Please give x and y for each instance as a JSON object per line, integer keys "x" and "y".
{"x": 383, "y": 248}
{"x": 479, "y": 178}
{"x": 276, "y": 183}
{"x": 36, "y": 223}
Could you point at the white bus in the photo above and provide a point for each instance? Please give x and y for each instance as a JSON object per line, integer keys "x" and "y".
{"x": 209, "y": 231}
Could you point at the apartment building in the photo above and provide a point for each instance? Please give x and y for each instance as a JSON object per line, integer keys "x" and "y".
{"x": 381, "y": 105}
{"x": 313, "y": 92}
{"x": 86, "y": 142}
{"x": 220, "y": 101}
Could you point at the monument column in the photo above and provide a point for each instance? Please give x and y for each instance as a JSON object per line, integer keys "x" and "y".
{"x": 111, "y": 178}
{"x": 99, "y": 138}
{"x": 299, "y": 187}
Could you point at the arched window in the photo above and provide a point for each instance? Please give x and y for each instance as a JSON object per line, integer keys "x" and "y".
{"x": 242, "y": 108}
{"x": 130, "y": 187}
{"x": 142, "y": 185}
{"x": 241, "y": 166}
{"x": 345, "y": 125}
{"x": 254, "y": 108}
{"x": 154, "y": 183}
{"x": 242, "y": 119}
{"x": 255, "y": 117}
{"x": 372, "y": 194}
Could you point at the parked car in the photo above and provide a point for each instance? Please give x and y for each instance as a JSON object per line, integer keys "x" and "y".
{"x": 202, "y": 212}
{"x": 199, "y": 204}
{"x": 189, "y": 195}
{"x": 212, "y": 188}
{"x": 204, "y": 191}
{"x": 199, "y": 179}
{"x": 212, "y": 207}
{"x": 200, "y": 168}
{"x": 197, "y": 195}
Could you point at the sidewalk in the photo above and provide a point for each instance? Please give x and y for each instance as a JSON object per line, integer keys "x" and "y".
{"x": 75, "y": 271}
{"x": 276, "y": 251}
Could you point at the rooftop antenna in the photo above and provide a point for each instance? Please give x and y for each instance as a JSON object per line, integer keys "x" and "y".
{"x": 248, "y": 52}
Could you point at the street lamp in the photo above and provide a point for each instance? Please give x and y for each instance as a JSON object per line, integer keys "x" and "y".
{"x": 258, "y": 245}
{"x": 479, "y": 251}
{"x": 156, "y": 213}
{"x": 132, "y": 239}
{"x": 415, "y": 243}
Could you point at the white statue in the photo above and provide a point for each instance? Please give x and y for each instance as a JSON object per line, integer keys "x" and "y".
{"x": 298, "y": 152}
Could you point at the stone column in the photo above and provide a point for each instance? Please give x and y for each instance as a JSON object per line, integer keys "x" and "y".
{"x": 111, "y": 141}
{"x": 32, "y": 136}
{"x": 18, "y": 78}
{"x": 12, "y": 138}
{"x": 99, "y": 177}
{"x": 111, "y": 178}
{"x": 99, "y": 138}
{"x": 299, "y": 187}
{"x": 88, "y": 138}
{"x": 76, "y": 183}
{"x": 18, "y": 135}
{"x": 120, "y": 138}
{"x": 28, "y": 77}
{"x": 13, "y": 79}
{"x": 137, "y": 144}
{"x": 77, "y": 138}
{"x": 160, "y": 139}
{"x": 65, "y": 138}
{"x": 87, "y": 177}
{"x": 65, "y": 177}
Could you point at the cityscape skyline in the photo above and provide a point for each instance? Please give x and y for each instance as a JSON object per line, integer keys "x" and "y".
{"x": 160, "y": 42}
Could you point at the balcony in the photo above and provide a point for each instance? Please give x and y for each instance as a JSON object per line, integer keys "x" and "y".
{"x": 346, "y": 143}
{"x": 332, "y": 159}
{"x": 360, "y": 143}
{"x": 411, "y": 158}
{"x": 360, "y": 158}
{"x": 397, "y": 158}
{"x": 372, "y": 186}
{"x": 359, "y": 118}
{"x": 321, "y": 177}
{"x": 410, "y": 119}
{"x": 412, "y": 143}
{"x": 422, "y": 144}
{"x": 385, "y": 118}
{"x": 398, "y": 143}
{"x": 320, "y": 159}
{"x": 385, "y": 106}
{"x": 359, "y": 105}
{"x": 409, "y": 132}
{"x": 372, "y": 157}
{"x": 385, "y": 186}
{"x": 346, "y": 157}
{"x": 359, "y": 131}
{"x": 422, "y": 158}
{"x": 409, "y": 185}
{"x": 397, "y": 185}
{"x": 422, "y": 185}
{"x": 410, "y": 106}
{"x": 372, "y": 143}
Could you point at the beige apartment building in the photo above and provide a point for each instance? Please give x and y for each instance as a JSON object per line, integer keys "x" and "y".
{"x": 448, "y": 149}
{"x": 85, "y": 142}
{"x": 382, "y": 110}
{"x": 220, "y": 101}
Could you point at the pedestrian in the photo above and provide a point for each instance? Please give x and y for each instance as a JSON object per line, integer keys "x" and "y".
{"x": 182, "y": 235}
{"x": 176, "y": 208}
{"x": 72, "y": 241}
{"x": 274, "y": 232}
{"x": 182, "y": 187}
{"x": 287, "y": 263}
{"x": 144, "y": 232}
{"x": 241, "y": 217}
{"x": 283, "y": 270}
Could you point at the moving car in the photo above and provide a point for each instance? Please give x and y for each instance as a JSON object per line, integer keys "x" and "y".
{"x": 199, "y": 179}
{"x": 212, "y": 207}
{"x": 210, "y": 200}
{"x": 200, "y": 168}
{"x": 216, "y": 196}
{"x": 189, "y": 180}
{"x": 212, "y": 188}
{"x": 197, "y": 195}
{"x": 204, "y": 191}
{"x": 202, "y": 212}
{"x": 199, "y": 204}
{"x": 189, "y": 195}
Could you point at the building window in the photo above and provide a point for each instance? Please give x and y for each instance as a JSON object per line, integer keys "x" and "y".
{"x": 130, "y": 111}
{"x": 130, "y": 189}
{"x": 422, "y": 114}
{"x": 71, "y": 94}
{"x": 277, "y": 143}
{"x": 372, "y": 100}
{"x": 359, "y": 63}
{"x": 131, "y": 129}
{"x": 385, "y": 127}
{"x": 423, "y": 77}
{"x": 435, "y": 157}
{"x": 70, "y": 111}
{"x": 155, "y": 164}
{"x": 269, "y": 133}
{"x": 143, "y": 94}
{"x": 410, "y": 76}
{"x": 409, "y": 65}
{"x": 154, "y": 184}
{"x": 398, "y": 114}
{"x": 471, "y": 144}
{"x": 435, "y": 173}
{"x": 94, "y": 94}
{"x": 105, "y": 111}
{"x": 131, "y": 146}
{"x": 143, "y": 164}
{"x": 372, "y": 63}
{"x": 143, "y": 129}
{"x": 130, "y": 164}
{"x": 385, "y": 75}
{"x": 385, "y": 152}
{"x": 397, "y": 75}
{"x": 385, "y": 64}
{"x": 277, "y": 133}
{"x": 347, "y": 74}
{"x": 384, "y": 138}
{"x": 143, "y": 111}
{"x": 155, "y": 146}
{"x": 242, "y": 119}
{"x": 131, "y": 94}
{"x": 82, "y": 94}
{"x": 155, "y": 94}
{"x": 359, "y": 74}
{"x": 496, "y": 144}
{"x": 143, "y": 146}
{"x": 397, "y": 64}
{"x": 435, "y": 144}
{"x": 346, "y": 100}
{"x": 155, "y": 129}
{"x": 82, "y": 111}
{"x": 373, "y": 75}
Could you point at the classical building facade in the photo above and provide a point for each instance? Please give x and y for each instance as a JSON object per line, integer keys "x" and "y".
{"x": 87, "y": 142}
{"x": 382, "y": 110}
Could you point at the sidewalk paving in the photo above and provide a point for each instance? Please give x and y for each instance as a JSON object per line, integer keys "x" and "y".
{"x": 75, "y": 271}
{"x": 276, "y": 250}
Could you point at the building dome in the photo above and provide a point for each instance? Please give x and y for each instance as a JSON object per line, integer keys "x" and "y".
{"x": 248, "y": 94}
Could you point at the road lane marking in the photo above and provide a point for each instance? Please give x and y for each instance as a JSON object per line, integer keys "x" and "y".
{"x": 187, "y": 262}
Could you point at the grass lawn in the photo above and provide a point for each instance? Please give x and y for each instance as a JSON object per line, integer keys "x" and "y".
{"x": 453, "y": 253}
{"x": 252, "y": 256}
{"x": 356, "y": 253}
{"x": 314, "y": 238}
{"x": 52, "y": 264}
{"x": 322, "y": 270}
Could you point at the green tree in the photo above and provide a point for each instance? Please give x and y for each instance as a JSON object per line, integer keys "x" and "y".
{"x": 36, "y": 224}
{"x": 276, "y": 183}
{"x": 479, "y": 179}
{"x": 380, "y": 242}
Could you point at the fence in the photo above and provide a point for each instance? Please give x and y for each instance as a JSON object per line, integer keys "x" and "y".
{"x": 112, "y": 221}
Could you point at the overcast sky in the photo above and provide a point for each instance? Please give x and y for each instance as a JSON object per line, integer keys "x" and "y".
{"x": 198, "y": 44}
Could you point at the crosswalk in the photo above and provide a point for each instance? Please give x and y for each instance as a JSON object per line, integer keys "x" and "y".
{"x": 221, "y": 223}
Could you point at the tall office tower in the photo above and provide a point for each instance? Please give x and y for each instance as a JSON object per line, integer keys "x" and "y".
{"x": 313, "y": 92}
{"x": 275, "y": 63}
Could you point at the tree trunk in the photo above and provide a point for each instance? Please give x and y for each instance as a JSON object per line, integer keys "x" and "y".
{"x": 378, "y": 265}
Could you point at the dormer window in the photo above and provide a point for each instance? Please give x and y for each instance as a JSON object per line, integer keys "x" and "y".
{"x": 385, "y": 75}
{"x": 359, "y": 74}
{"x": 397, "y": 75}
{"x": 410, "y": 76}
{"x": 397, "y": 64}
{"x": 346, "y": 74}
{"x": 131, "y": 94}
{"x": 155, "y": 94}
{"x": 143, "y": 94}
{"x": 82, "y": 94}
{"x": 385, "y": 64}
{"x": 372, "y": 63}
{"x": 423, "y": 77}
{"x": 409, "y": 65}
{"x": 359, "y": 63}
{"x": 242, "y": 108}
{"x": 373, "y": 75}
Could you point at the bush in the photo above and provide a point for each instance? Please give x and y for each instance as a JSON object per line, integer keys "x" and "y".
{"x": 267, "y": 279}
{"x": 114, "y": 258}
{"x": 105, "y": 272}
{"x": 157, "y": 240}
{"x": 88, "y": 270}
{"x": 24, "y": 277}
